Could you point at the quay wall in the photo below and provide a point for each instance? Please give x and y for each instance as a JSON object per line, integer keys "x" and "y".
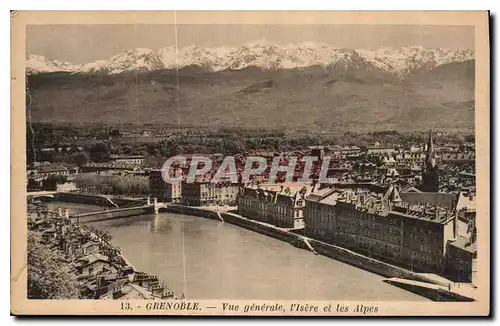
{"x": 367, "y": 263}
{"x": 259, "y": 227}
{"x": 188, "y": 210}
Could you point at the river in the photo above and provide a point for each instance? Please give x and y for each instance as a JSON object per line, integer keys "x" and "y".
{"x": 208, "y": 259}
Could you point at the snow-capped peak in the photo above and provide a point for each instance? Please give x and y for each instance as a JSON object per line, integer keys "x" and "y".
{"x": 402, "y": 61}
{"x": 130, "y": 60}
{"x": 36, "y": 64}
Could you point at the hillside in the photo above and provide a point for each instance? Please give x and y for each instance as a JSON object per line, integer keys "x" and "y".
{"x": 336, "y": 97}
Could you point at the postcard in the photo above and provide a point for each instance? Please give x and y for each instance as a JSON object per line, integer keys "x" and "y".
{"x": 250, "y": 163}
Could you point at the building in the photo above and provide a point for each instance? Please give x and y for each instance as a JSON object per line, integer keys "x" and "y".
{"x": 320, "y": 214}
{"x": 466, "y": 211}
{"x": 430, "y": 170}
{"x": 206, "y": 193}
{"x": 164, "y": 191}
{"x": 53, "y": 169}
{"x": 382, "y": 226}
{"x": 107, "y": 167}
{"x": 462, "y": 253}
{"x": 278, "y": 204}
{"x": 95, "y": 263}
{"x": 462, "y": 260}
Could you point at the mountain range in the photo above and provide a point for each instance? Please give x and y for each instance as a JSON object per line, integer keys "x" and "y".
{"x": 396, "y": 61}
{"x": 308, "y": 86}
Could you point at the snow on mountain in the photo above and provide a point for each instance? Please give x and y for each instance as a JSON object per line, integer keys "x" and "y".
{"x": 396, "y": 61}
{"x": 405, "y": 60}
{"x": 130, "y": 60}
{"x": 212, "y": 59}
{"x": 39, "y": 64}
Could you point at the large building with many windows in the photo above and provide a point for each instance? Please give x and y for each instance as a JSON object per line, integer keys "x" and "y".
{"x": 278, "y": 204}
{"x": 207, "y": 193}
{"x": 382, "y": 226}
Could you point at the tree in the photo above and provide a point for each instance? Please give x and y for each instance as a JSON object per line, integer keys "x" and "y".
{"x": 79, "y": 159}
{"x": 233, "y": 146}
{"x": 103, "y": 234}
{"x": 47, "y": 157}
{"x": 115, "y": 133}
{"x": 52, "y": 181}
{"x": 99, "y": 152}
{"x": 49, "y": 276}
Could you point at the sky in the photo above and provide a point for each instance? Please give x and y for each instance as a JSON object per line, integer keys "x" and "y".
{"x": 87, "y": 43}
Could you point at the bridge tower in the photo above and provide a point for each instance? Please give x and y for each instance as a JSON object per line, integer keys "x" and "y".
{"x": 155, "y": 205}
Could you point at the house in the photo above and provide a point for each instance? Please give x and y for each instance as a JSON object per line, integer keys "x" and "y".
{"x": 462, "y": 259}
{"x": 90, "y": 247}
{"x": 53, "y": 169}
{"x": 128, "y": 159}
{"x": 94, "y": 264}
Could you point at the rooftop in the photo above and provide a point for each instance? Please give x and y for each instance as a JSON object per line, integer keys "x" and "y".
{"x": 466, "y": 202}
{"x": 52, "y": 167}
{"x": 464, "y": 243}
{"x": 382, "y": 205}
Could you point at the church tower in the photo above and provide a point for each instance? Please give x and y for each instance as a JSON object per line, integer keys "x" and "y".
{"x": 430, "y": 176}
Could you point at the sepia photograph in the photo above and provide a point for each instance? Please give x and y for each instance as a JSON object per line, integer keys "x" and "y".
{"x": 250, "y": 163}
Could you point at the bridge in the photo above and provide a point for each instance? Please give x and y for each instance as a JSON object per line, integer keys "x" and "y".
{"x": 131, "y": 209}
{"x": 117, "y": 206}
